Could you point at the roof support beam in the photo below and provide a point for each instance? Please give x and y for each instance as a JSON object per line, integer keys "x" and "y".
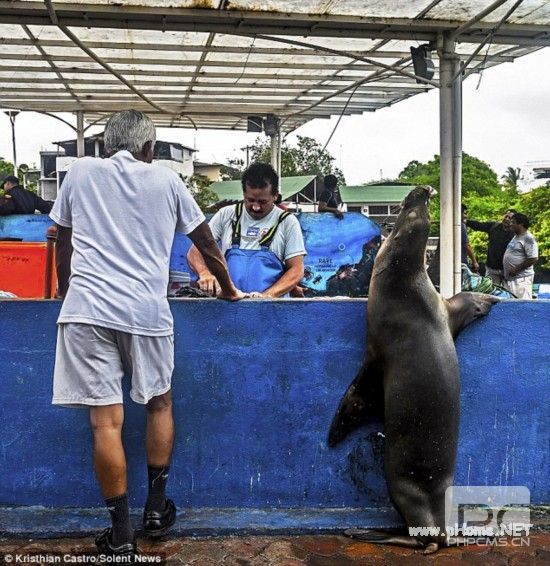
{"x": 83, "y": 86}
{"x": 173, "y": 73}
{"x": 193, "y": 62}
{"x": 179, "y": 48}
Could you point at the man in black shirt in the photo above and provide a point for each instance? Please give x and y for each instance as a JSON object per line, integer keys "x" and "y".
{"x": 18, "y": 200}
{"x": 499, "y": 236}
{"x": 330, "y": 199}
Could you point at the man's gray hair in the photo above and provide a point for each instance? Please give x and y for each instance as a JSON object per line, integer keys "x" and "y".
{"x": 129, "y": 130}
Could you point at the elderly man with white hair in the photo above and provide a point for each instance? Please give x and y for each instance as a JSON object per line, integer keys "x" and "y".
{"x": 116, "y": 219}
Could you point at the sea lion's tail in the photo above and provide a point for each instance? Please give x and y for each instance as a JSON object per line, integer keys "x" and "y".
{"x": 364, "y": 398}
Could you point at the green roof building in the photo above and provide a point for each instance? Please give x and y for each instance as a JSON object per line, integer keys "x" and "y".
{"x": 302, "y": 191}
{"x": 378, "y": 201}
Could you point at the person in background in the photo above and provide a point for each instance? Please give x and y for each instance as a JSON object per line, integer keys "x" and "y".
{"x": 263, "y": 245}
{"x": 330, "y": 199}
{"x": 466, "y": 249}
{"x": 521, "y": 255}
{"x": 18, "y": 200}
{"x": 499, "y": 236}
{"x": 116, "y": 219}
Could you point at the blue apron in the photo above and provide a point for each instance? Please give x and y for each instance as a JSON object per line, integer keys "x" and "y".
{"x": 253, "y": 270}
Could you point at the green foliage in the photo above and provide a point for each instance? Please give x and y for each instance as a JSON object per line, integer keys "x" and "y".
{"x": 307, "y": 158}
{"x": 202, "y": 193}
{"x": 6, "y": 168}
{"x": 511, "y": 178}
{"x": 477, "y": 177}
{"x": 536, "y": 205}
{"x": 232, "y": 171}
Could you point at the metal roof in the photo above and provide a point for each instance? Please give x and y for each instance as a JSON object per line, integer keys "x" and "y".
{"x": 211, "y": 63}
{"x": 232, "y": 190}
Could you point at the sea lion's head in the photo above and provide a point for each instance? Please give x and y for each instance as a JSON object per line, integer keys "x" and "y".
{"x": 406, "y": 244}
{"x": 414, "y": 217}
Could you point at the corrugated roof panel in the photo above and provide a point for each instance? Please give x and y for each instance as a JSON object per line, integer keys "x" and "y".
{"x": 188, "y": 47}
{"x": 335, "y": 7}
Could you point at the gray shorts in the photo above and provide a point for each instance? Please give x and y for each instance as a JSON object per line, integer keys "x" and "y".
{"x": 90, "y": 362}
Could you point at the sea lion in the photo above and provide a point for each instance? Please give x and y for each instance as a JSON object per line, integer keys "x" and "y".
{"x": 411, "y": 372}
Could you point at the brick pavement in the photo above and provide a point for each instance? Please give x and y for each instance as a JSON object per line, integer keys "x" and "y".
{"x": 311, "y": 550}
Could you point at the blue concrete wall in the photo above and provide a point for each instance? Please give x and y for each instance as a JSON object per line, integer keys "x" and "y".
{"x": 255, "y": 387}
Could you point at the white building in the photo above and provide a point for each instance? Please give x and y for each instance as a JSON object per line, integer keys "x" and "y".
{"x": 53, "y": 164}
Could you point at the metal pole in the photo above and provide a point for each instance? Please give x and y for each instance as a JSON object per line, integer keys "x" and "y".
{"x": 315, "y": 204}
{"x": 51, "y": 237}
{"x": 80, "y": 134}
{"x": 11, "y": 114}
{"x": 457, "y": 173}
{"x": 279, "y": 160}
{"x": 445, "y": 50}
{"x": 274, "y": 152}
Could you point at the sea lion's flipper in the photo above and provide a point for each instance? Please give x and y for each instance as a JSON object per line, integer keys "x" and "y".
{"x": 383, "y": 537}
{"x": 364, "y": 398}
{"x": 464, "y": 308}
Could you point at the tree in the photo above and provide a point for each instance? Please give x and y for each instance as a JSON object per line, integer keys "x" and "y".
{"x": 202, "y": 193}
{"x": 488, "y": 201}
{"x": 535, "y": 205}
{"x": 511, "y": 178}
{"x": 311, "y": 159}
{"x": 232, "y": 171}
{"x": 307, "y": 158}
{"x": 6, "y": 168}
{"x": 478, "y": 179}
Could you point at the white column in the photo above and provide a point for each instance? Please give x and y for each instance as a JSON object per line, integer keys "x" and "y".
{"x": 457, "y": 175}
{"x": 450, "y": 123}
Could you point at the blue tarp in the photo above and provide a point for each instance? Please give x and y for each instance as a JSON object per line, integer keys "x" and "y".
{"x": 340, "y": 253}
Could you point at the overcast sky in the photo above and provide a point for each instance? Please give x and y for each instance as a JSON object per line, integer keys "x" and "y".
{"x": 506, "y": 120}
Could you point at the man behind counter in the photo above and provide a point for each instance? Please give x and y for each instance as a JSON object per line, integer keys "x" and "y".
{"x": 330, "y": 199}
{"x": 263, "y": 245}
{"x": 18, "y": 200}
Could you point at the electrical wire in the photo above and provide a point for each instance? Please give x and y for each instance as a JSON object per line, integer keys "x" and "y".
{"x": 340, "y": 117}
{"x": 246, "y": 61}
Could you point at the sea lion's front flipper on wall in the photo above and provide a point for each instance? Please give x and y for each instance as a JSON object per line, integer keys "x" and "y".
{"x": 362, "y": 402}
{"x": 466, "y": 307}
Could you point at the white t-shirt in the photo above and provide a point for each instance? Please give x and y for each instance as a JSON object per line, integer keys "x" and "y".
{"x": 518, "y": 250}
{"x": 123, "y": 214}
{"x": 287, "y": 243}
